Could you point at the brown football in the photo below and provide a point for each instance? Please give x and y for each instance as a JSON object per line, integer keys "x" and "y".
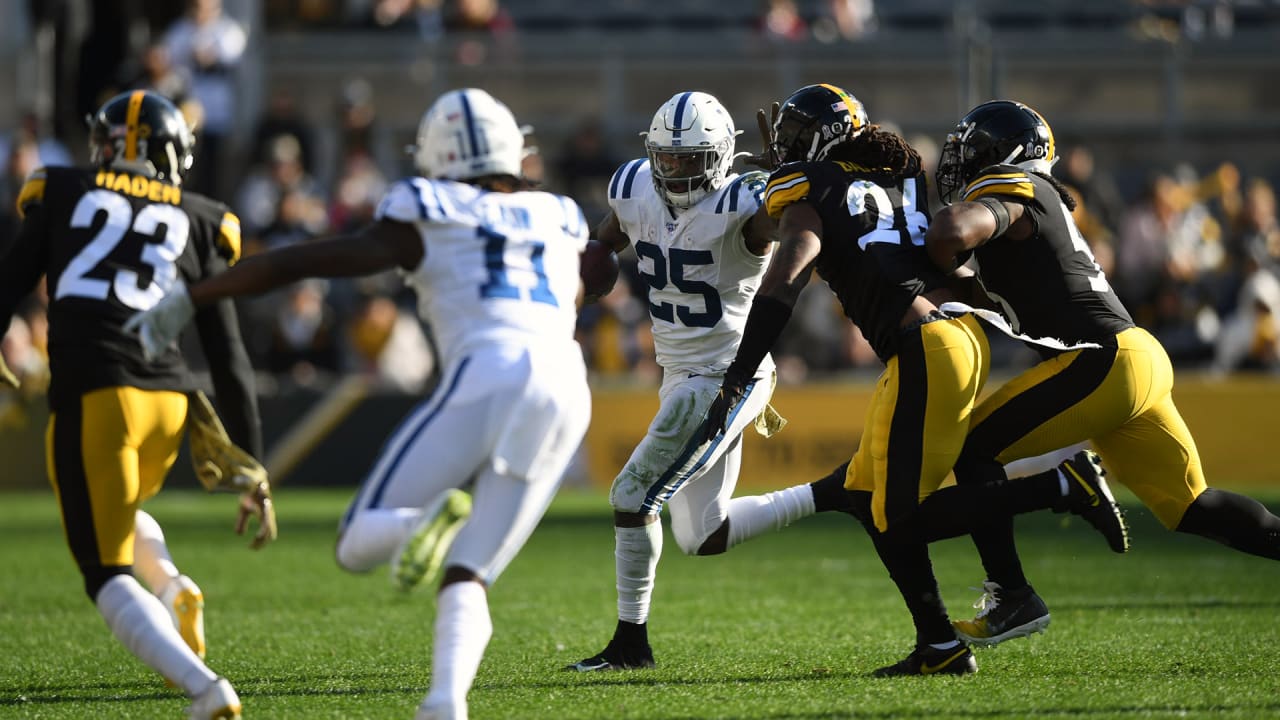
{"x": 598, "y": 270}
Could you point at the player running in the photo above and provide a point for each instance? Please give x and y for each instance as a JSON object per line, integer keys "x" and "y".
{"x": 112, "y": 239}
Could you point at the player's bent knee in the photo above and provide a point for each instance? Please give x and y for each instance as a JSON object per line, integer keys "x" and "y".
{"x": 351, "y": 557}
{"x": 97, "y": 576}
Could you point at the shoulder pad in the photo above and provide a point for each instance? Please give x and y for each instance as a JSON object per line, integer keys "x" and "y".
{"x": 787, "y": 185}
{"x": 624, "y": 182}
{"x": 32, "y": 191}
{"x": 742, "y": 194}
{"x": 412, "y": 200}
{"x": 229, "y": 237}
{"x": 1003, "y": 180}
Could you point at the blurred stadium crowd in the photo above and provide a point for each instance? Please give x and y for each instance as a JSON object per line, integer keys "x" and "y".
{"x": 1195, "y": 255}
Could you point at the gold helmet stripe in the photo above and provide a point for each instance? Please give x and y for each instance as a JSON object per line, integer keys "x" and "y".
{"x": 131, "y": 125}
{"x": 849, "y": 103}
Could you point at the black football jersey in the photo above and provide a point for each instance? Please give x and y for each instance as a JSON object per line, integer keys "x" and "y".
{"x": 873, "y": 254}
{"x": 111, "y": 244}
{"x": 1048, "y": 285}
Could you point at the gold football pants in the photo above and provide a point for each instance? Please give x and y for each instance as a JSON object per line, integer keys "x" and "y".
{"x": 1118, "y": 397}
{"x": 919, "y": 415}
{"x": 104, "y": 458}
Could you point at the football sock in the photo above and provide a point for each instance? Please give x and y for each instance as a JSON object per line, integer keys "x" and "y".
{"x": 142, "y": 624}
{"x": 373, "y": 535}
{"x": 907, "y": 560}
{"x": 151, "y": 559}
{"x": 829, "y": 493}
{"x": 752, "y": 515}
{"x": 635, "y": 555}
{"x": 463, "y": 629}
{"x": 1235, "y": 521}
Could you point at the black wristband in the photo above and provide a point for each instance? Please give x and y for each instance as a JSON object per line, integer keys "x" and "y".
{"x": 764, "y": 324}
{"x": 1001, "y": 213}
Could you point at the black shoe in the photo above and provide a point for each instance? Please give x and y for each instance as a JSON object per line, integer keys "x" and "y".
{"x": 1002, "y": 618}
{"x": 1090, "y": 498}
{"x": 925, "y": 660}
{"x": 616, "y": 656}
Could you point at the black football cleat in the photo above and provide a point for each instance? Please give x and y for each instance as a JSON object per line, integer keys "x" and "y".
{"x": 1091, "y": 498}
{"x": 925, "y": 660}
{"x": 616, "y": 656}
{"x": 1003, "y": 618}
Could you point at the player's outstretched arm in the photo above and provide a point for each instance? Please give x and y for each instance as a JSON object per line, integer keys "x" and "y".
{"x": 384, "y": 245}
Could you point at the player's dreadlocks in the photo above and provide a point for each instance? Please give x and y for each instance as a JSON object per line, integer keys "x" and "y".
{"x": 877, "y": 150}
{"x": 1067, "y": 198}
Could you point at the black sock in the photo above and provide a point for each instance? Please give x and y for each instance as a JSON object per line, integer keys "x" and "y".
{"x": 906, "y": 557}
{"x": 829, "y": 493}
{"x": 1235, "y": 521}
{"x": 628, "y": 633}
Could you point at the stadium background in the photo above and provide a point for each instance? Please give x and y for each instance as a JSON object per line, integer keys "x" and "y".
{"x": 302, "y": 124}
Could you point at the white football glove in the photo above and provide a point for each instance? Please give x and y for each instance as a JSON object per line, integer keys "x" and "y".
{"x": 161, "y": 325}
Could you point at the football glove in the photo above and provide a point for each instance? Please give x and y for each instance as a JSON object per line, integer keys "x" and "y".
{"x": 767, "y": 159}
{"x": 161, "y": 325}
{"x": 222, "y": 466}
{"x": 6, "y": 375}
{"x": 730, "y": 393}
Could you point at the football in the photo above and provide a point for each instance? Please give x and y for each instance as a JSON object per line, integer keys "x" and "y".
{"x": 598, "y": 270}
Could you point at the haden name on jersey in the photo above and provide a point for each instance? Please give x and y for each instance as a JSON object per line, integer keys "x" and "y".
{"x": 139, "y": 187}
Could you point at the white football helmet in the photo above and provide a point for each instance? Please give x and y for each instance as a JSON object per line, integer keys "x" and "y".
{"x": 690, "y": 147}
{"x": 468, "y": 134}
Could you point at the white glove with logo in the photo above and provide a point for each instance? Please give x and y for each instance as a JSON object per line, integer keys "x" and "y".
{"x": 160, "y": 326}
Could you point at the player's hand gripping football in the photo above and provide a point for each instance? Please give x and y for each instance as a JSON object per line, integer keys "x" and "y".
{"x": 730, "y": 393}
{"x": 767, "y": 159}
{"x": 161, "y": 325}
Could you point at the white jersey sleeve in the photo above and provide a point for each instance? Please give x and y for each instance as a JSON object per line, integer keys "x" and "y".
{"x": 496, "y": 266}
{"x": 701, "y": 276}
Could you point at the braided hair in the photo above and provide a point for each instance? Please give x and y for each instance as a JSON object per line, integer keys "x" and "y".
{"x": 1067, "y": 198}
{"x": 877, "y": 150}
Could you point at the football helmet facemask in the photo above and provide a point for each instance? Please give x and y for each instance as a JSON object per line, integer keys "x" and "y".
{"x": 814, "y": 120}
{"x": 468, "y": 134}
{"x": 142, "y": 132}
{"x": 690, "y": 148}
{"x": 994, "y": 133}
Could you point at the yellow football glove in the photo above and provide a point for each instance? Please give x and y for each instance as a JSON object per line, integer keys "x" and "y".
{"x": 222, "y": 466}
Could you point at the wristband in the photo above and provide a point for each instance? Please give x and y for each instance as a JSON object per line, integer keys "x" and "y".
{"x": 1001, "y": 213}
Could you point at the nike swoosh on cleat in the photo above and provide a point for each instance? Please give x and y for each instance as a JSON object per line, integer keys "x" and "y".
{"x": 1093, "y": 496}
{"x": 927, "y": 669}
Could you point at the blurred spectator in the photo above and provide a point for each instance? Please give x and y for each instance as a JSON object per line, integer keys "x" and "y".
{"x": 360, "y": 133}
{"x": 389, "y": 343}
{"x": 844, "y": 20}
{"x": 584, "y": 168}
{"x": 281, "y": 195}
{"x": 283, "y": 118}
{"x": 25, "y": 356}
{"x": 156, "y": 72}
{"x": 484, "y": 26}
{"x": 21, "y": 155}
{"x": 423, "y": 16}
{"x": 1250, "y": 337}
{"x": 1095, "y": 188}
{"x": 304, "y": 343}
{"x": 1142, "y": 248}
{"x": 356, "y": 196}
{"x": 209, "y": 46}
{"x": 781, "y": 22}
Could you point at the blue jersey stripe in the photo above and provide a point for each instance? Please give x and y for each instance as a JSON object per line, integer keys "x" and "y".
{"x": 436, "y": 211}
{"x": 617, "y": 180}
{"x": 679, "y": 119}
{"x": 631, "y": 176}
{"x": 730, "y": 193}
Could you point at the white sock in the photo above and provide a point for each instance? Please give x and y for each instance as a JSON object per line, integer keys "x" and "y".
{"x": 463, "y": 629}
{"x": 753, "y": 515}
{"x": 373, "y": 535}
{"x": 151, "y": 560}
{"x": 1063, "y": 485}
{"x": 635, "y": 555}
{"x": 139, "y": 621}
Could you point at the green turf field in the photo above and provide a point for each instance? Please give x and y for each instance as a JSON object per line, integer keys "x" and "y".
{"x": 786, "y": 626}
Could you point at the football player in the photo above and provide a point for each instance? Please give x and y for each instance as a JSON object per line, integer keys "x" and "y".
{"x": 849, "y": 199}
{"x": 1013, "y": 218}
{"x": 112, "y": 239}
{"x": 496, "y": 271}
{"x": 702, "y": 250}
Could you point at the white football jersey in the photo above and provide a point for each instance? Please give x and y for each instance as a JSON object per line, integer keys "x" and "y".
{"x": 496, "y": 266}
{"x": 701, "y": 276}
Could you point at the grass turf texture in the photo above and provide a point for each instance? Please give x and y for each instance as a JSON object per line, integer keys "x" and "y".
{"x": 786, "y": 626}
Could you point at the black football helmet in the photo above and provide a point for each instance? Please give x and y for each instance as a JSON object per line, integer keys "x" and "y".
{"x": 994, "y": 133}
{"x": 141, "y": 131}
{"x": 814, "y": 120}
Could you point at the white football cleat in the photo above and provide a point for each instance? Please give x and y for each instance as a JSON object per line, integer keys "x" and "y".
{"x": 447, "y": 711}
{"x": 219, "y": 702}
{"x": 185, "y": 603}
{"x": 421, "y": 555}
